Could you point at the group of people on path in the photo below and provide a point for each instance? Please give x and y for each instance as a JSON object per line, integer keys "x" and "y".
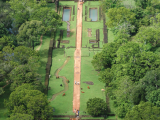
{"x": 76, "y": 83}
{"x": 77, "y": 111}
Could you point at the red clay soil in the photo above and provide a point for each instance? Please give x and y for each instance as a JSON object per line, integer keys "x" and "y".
{"x": 77, "y": 59}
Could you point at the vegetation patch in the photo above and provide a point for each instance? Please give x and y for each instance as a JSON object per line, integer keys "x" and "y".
{"x": 89, "y": 82}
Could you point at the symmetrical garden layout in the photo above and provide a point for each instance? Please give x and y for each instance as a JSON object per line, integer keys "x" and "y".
{"x": 81, "y": 40}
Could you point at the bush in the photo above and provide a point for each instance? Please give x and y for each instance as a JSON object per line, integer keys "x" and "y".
{"x": 96, "y": 106}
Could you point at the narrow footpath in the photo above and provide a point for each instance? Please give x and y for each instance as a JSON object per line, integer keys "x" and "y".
{"x": 77, "y": 59}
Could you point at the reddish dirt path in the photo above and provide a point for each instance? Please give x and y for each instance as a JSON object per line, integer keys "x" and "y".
{"x": 40, "y": 43}
{"x": 77, "y": 60}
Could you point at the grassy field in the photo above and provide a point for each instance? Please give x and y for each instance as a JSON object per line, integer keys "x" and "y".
{"x": 89, "y": 74}
{"x": 62, "y": 104}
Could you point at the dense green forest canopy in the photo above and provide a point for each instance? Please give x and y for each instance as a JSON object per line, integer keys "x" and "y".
{"x": 130, "y": 65}
{"x": 19, "y": 62}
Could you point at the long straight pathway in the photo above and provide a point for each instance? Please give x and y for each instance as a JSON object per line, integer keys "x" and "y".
{"x": 77, "y": 59}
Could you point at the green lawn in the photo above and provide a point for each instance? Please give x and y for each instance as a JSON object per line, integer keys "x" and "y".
{"x": 62, "y": 104}
{"x": 89, "y": 74}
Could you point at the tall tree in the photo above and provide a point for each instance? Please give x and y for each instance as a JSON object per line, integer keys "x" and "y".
{"x": 119, "y": 15}
{"x": 5, "y": 14}
{"x": 97, "y": 61}
{"x": 26, "y": 100}
{"x": 124, "y": 27}
{"x": 148, "y": 35}
{"x": 19, "y": 116}
{"x": 3, "y": 30}
{"x": 96, "y": 106}
{"x": 49, "y": 18}
{"x": 22, "y": 74}
{"x": 22, "y": 54}
{"x": 107, "y": 4}
{"x": 122, "y": 109}
{"x": 143, "y": 111}
{"x": 109, "y": 54}
{"x": 143, "y": 3}
{"x": 154, "y": 97}
{"x": 106, "y": 76}
{"x": 126, "y": 51}
{"x": 9, "y": 40}
{"x": 29, "y": 32}
{"x": 151, "y": 84}
{"x": 22, "y": 9}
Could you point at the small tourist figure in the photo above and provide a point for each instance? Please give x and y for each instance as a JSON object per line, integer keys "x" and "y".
{"x": 78, "y": 8}
{"x": 75, "y": 110}
{"x": 75, "y": 82}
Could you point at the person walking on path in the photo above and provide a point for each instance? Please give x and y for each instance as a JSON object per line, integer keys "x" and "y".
{"x": 75, "y": 110}
{"x": 75, "y": 82}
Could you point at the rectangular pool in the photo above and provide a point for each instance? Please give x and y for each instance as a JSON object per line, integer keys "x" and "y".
{"x": 66, "y": 14}
{"x": 93, "y": 14}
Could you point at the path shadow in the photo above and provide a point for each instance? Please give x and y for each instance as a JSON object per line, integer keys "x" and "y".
{"x": 58, "y": 51}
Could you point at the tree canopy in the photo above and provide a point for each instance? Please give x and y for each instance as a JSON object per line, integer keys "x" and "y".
{"x": 119, "y": 15}
{"x": 19, "y": 116}
{"x": 26, "y": 100}
{"x": 3, "y": 30}
{"x": 49, "y": 18}
{"x": 22, "y": 9}
{"x": 107, "y": 4}
{"x": 96, "y": 106}
{"x": 143, "y": 111}
{"x": 30, "y": 31}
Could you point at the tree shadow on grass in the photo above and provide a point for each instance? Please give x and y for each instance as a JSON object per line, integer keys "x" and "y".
{"x": 58, "y": 51}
